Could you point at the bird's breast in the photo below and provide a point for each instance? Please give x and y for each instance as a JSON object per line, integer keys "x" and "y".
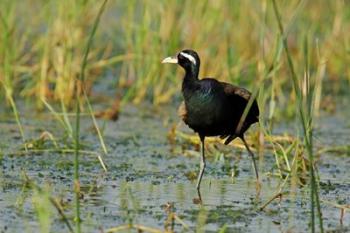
{"x": 203, "y": 112}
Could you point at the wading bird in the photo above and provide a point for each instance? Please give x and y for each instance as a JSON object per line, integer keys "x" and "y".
{"x": 213, "y": 108}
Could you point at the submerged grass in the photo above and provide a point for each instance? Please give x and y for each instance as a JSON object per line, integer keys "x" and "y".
{"x": 42, "y": 201}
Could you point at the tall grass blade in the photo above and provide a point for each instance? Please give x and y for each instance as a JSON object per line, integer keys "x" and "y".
{"x": 77, "y": 128}
{"x": 306, "y": 119}
{"x": 18, "y": 121}
{"x": 62, "y": 120}
{"x": 103, "y": 145}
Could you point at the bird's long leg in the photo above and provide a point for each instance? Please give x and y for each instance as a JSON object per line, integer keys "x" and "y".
{"x": 252, "y": 155}
{"x": 202, "y": 167}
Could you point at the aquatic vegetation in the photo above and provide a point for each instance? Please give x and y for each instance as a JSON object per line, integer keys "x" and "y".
{"x": 66, "y": 69}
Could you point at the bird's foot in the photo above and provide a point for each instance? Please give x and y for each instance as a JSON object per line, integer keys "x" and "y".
{"x": 198, "y": 200}
{"x": 257, "y": 188}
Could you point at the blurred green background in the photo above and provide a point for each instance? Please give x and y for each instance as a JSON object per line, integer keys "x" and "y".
{"x": 42, "y": 45}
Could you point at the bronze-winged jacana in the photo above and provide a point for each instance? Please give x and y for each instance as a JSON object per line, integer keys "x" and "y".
{"x": 213, "y": 108}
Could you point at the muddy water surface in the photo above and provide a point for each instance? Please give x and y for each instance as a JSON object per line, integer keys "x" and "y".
{"x": 146, "y": 174}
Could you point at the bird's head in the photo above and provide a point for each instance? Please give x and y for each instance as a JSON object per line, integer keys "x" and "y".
{"x": 187, "y": 59}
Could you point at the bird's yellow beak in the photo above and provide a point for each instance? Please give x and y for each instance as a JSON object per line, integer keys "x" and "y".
{"x": 170, "y": 60}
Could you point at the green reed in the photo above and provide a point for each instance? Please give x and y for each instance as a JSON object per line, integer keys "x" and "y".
{"x": 10, "y": 49}
{"x": 234, "y": 39}
{"x": 77, "y": 123}
{"x": 304, "y": 102}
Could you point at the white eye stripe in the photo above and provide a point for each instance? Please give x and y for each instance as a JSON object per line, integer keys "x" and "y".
{"x": 189, "y": 57}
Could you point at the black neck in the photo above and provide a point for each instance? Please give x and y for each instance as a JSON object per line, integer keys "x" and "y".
{"x": 190, "y": 81}
{"x": 192, "y": 72}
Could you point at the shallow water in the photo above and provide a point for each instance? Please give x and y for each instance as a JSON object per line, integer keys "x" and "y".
{"x": 145, "y": 173}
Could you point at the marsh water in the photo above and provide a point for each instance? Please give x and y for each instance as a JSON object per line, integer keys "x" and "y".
{"x": 146, "y": 174}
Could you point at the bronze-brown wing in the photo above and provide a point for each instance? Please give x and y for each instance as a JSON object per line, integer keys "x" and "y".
{"x": 239, "y": 97}
{"x": 230, "y": 89}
